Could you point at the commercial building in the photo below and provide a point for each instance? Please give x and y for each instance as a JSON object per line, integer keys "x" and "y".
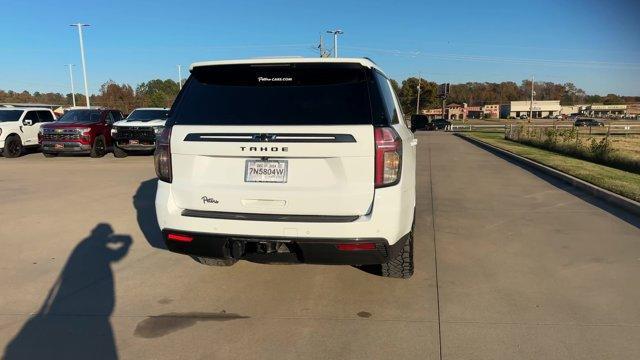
{"x": 452, "y": 112}
{"x": 456, "y": 111}
{"x": 475, "y": 112}
{"x": 491, "y": 111}
{"x": 541, "y": 109}
{"x": 605, "y": 110}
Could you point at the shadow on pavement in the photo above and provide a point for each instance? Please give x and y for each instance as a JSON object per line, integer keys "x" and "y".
{"x": 73, "y": 322}
{"x": 144, "y": 203}
{"x": 611, "y": 209}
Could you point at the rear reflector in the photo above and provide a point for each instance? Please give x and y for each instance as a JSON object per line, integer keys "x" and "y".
{"x": 356, "y": 247}
{"x": 178, "y": 237}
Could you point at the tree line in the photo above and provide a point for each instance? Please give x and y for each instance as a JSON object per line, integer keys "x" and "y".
{"x": 154, "y": 93}
{"x": 161, "y": 93}
{"x": 483, "y": 93}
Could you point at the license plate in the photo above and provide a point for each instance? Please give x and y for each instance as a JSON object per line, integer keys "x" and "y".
{"x": 266, "y": 171}
{"x": 58, "y": 146}
{"x": 134, "y": 142}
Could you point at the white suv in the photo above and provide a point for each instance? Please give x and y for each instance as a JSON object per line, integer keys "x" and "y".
{"x": 288, "y": 160}
{"x": 19, "y": 128}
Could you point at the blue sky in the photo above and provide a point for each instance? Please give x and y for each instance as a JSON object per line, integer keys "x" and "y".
{"x": 594, "y": 44}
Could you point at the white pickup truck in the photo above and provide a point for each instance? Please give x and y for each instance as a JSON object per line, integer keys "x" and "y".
{"x": 138, "y": 132}
{"x": 19, "y": 128}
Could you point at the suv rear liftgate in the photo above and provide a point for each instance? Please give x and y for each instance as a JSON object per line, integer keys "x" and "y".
{"x": 273, "y": 143}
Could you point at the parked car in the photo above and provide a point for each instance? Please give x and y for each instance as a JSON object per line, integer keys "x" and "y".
{"x": 138, "y": 132}
{"x": 441, "y": 124}
{"x": 421, "y": 122}
{"x": 288, "y": 160}
{"x": 588, "y": 122}
{"x": 80, "y": 131}
{"x": 523, "y": 117}
{"x": 19, "y": 128}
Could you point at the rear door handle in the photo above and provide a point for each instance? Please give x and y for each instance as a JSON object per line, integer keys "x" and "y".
{"x": 414, "y": 142}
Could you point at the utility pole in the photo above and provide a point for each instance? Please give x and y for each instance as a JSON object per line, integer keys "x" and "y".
{"x": 418, "y": 99}
{"x": 335, "y": 40}
{"x": 531, "y": 105}
{"x": 73, "y": 91}
{"x": 84, "y": 65}
{"x": 323, "y": 52}
{"x": 180, "y": 76}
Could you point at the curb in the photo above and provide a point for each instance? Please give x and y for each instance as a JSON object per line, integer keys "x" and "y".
{"x": 627, "y": 204}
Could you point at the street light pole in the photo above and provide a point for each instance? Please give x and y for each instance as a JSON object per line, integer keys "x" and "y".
{"x": 84, "y": 65}
{"x": 73, "y": 91}
{"x": 335, "y": 40}
{"x": 180, "y": 76}
{"x": 531, "y": 106}
{"x": 418, "y": 100}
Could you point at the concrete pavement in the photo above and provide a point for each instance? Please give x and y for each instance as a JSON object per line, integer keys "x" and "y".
{"x": 525, "y": 269}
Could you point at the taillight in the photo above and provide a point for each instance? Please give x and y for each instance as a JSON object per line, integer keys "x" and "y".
{"x": 180, "y": 237}
{"x": 162, "y": 156}
{"x": 388, "y": 156}
{"x": 356, "y": 246}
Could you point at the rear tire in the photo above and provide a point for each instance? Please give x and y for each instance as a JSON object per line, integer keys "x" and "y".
{"x": 99, "y": 148}
{"x": 119, "y": 153}
{"x": 214, "y": 262}
{"x": 12, "y": 147}
{"x": 402, "y": 265}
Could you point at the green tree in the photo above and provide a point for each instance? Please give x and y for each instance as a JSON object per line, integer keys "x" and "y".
{"x": 157, "y": 93}
{"x": 408, "y": 94}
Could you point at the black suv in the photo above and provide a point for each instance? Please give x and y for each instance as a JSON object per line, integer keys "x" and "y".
{"x": 588, "y": 122}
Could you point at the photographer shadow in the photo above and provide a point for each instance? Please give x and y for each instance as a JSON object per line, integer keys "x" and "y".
{"x": 74, "y": 320}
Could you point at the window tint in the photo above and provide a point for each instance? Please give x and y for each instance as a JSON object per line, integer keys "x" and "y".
{"x": 117, "y": 116}
{"x": 81, "y": 116}
{"x": 10, "y": 115}
{"x": 31, "y": 115}
{"x": 110, "y": 119}
{"x": 45, "y": 116}
{"x": 387, "y": 98}
{"x": 275, "y": 94}
{"x": 147, "y": 115}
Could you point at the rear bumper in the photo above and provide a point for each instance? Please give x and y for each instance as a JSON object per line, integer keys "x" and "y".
{"x": 68, "y": 147}
{"x": 298, "y": 250}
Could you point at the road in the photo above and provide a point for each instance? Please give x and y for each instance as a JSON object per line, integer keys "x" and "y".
{"x": 508, "y": 265}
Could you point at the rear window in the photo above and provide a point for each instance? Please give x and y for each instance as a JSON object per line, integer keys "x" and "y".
{"x": 276, "y": 94}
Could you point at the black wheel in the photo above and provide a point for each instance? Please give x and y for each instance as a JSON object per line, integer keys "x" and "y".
{"x": 49, "y": 155}
{"x": 214, "y": 262}
{"x": 12, "y": 147}
{"x": 99, "y": 148}
{"x": 119, "y": 153}
{"x": 402, "y": 265}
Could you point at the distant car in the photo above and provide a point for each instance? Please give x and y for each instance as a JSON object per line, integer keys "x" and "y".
{"x": 588, "y": 122}
{"x": 79, "y": 131}
{"x": 418, "y": 122}
{"x": 421, "y": 122}
{"x": 523, "y": 117}
{"x": 19, "y": 128}
{"x": 138, "y": 132}
{"x": 441, "y": 124}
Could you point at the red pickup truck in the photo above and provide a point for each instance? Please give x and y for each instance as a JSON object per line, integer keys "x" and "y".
{"x": 79, "y": 131}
